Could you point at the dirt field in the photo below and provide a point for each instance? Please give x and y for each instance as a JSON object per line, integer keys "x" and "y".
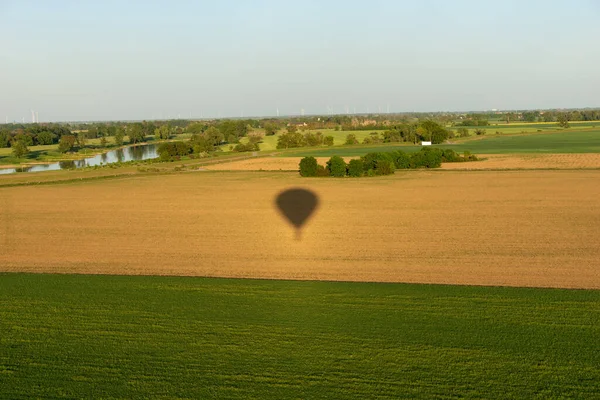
{"x": 531, "y": 161}
{"x": 492, "y": 161}
{"x": 266, "y": 164}
{"x": 518, "y": 228}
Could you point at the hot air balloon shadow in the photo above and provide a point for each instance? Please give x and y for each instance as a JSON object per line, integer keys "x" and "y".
{"x": 297, "y": 206}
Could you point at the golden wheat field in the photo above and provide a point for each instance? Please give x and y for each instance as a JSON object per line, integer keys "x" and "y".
{"x": 517, "y": 228}
{"x": 489, "y": 161}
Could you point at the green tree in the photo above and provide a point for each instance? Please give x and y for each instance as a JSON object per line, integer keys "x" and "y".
{"x": 45, "y": 137}
{"x": 290, "y": 140}
{"x": 328, "y": 140}
{"x": 308, "y": 166}
{"x": 313, "y": 139}
{"x": 119, "y": 135}
{"x": 136, "y": 133}
{"x": 214, "y": 136}
{"x": 384, "y": 167}
{"x": 462, "y": 132}
{"x": 163, "y": 132}
{"x": 66, "y": 143}
{"x": 432, "y": 131}
{"x": 19, "y": 149}
{"x": 26, "y": 138}
{"x": 351, "y": 139}
{"x": 4, "y": 138}
{"x": 232, "y": 139}
{"x": 562, "y": 120}
{"x": 81, "y": 139}
{"x": 337, "y": 166}
{"x": 270, "y": 129}
{"x": 355, "y": 168}
{"x": 401, "y": 160}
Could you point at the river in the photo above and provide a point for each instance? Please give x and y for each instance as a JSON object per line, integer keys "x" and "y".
{"x": 130, "y": 153}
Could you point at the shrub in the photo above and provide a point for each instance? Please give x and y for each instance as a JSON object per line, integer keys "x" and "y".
{"x": 351, "y": 139}
{"x": 322, "y": 171}
{"x": 480, "y": 132}
{"x": 308, "y": 166}
{"x": 328, "y": 140}
{"x": 462, "y": 132}
{"x": 401, "y": 160}
{"x": 313, "y": 139}
{"x": 19, "y": 149}
{"x": 171, "y": 150}
{"x": 384, "y": 167}
{"x": 336, "y": 166}
{"x": 355, "y": 168}
{"x": 250, "y": 146}
{"x": 426, "y": 158}
{"x": 449, "y": 155}
{"x": 370, "y": 160}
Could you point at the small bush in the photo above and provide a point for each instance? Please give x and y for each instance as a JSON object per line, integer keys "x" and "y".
{"x": 384, "y": 167}
{"x": 328, "y": 140}
{"x": 351, "y": 139}
{"x": 370, "y": 160}
{"x": 322, "y": 171}
{"x": 355, "y": 168}
{"x": 308, "y": 166}
{"x": 426, "y": 158}
{"x": 337, "y": 166}
{"x": 401, "y": 160}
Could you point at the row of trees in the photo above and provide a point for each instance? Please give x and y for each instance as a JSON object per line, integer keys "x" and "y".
{"x": 381, "y": 163}
{"x": 32, "y": 135}
{"x": 293, "y": 138}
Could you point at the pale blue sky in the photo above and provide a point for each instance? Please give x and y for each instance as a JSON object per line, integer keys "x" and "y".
{"x": 100, "y": 60}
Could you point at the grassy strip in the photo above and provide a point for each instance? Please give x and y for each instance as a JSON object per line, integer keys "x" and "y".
{"x": 169, "y": 337}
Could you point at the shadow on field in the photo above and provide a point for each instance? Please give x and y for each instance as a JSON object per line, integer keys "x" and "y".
{"x": 297, "y": 206}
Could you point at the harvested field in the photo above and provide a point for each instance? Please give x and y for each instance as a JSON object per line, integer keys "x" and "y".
{"x": 266, "y": 164}
{"x": 491, "y": 161}
{"x": 518, "y": 228}
{"x": 531, "y": 161}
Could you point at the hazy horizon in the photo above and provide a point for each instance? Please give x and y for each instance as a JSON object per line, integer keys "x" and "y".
{"x": 71, "y": 61}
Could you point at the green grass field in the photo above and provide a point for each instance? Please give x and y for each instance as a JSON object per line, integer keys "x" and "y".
{"x": 269, "y": 143}
{"x": 168, "y": 337}
{"x": 570, "y": 141}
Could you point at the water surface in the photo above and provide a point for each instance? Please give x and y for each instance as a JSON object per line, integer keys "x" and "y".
{"x": 131, "y": 153}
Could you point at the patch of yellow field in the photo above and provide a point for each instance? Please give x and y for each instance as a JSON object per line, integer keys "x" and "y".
{"x": 530, "y": 161}
{"x": 489, "y": 161}
{"x": 266, "y": 164}
{"x": 518, "y": 228}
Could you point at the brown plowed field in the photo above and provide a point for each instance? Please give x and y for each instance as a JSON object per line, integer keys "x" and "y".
{"x": 492, "y": 162}
{"x": 518, "y": 228}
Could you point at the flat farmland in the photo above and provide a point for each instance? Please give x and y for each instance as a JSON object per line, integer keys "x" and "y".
{"x": 488, "y": 161}
{"x": 517, "y": 228}
{"x": 565, "y": 141}
{"x": 82, "y": 336}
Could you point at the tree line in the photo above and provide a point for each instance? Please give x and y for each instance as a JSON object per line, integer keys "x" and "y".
{"x": 381, "y": 163}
